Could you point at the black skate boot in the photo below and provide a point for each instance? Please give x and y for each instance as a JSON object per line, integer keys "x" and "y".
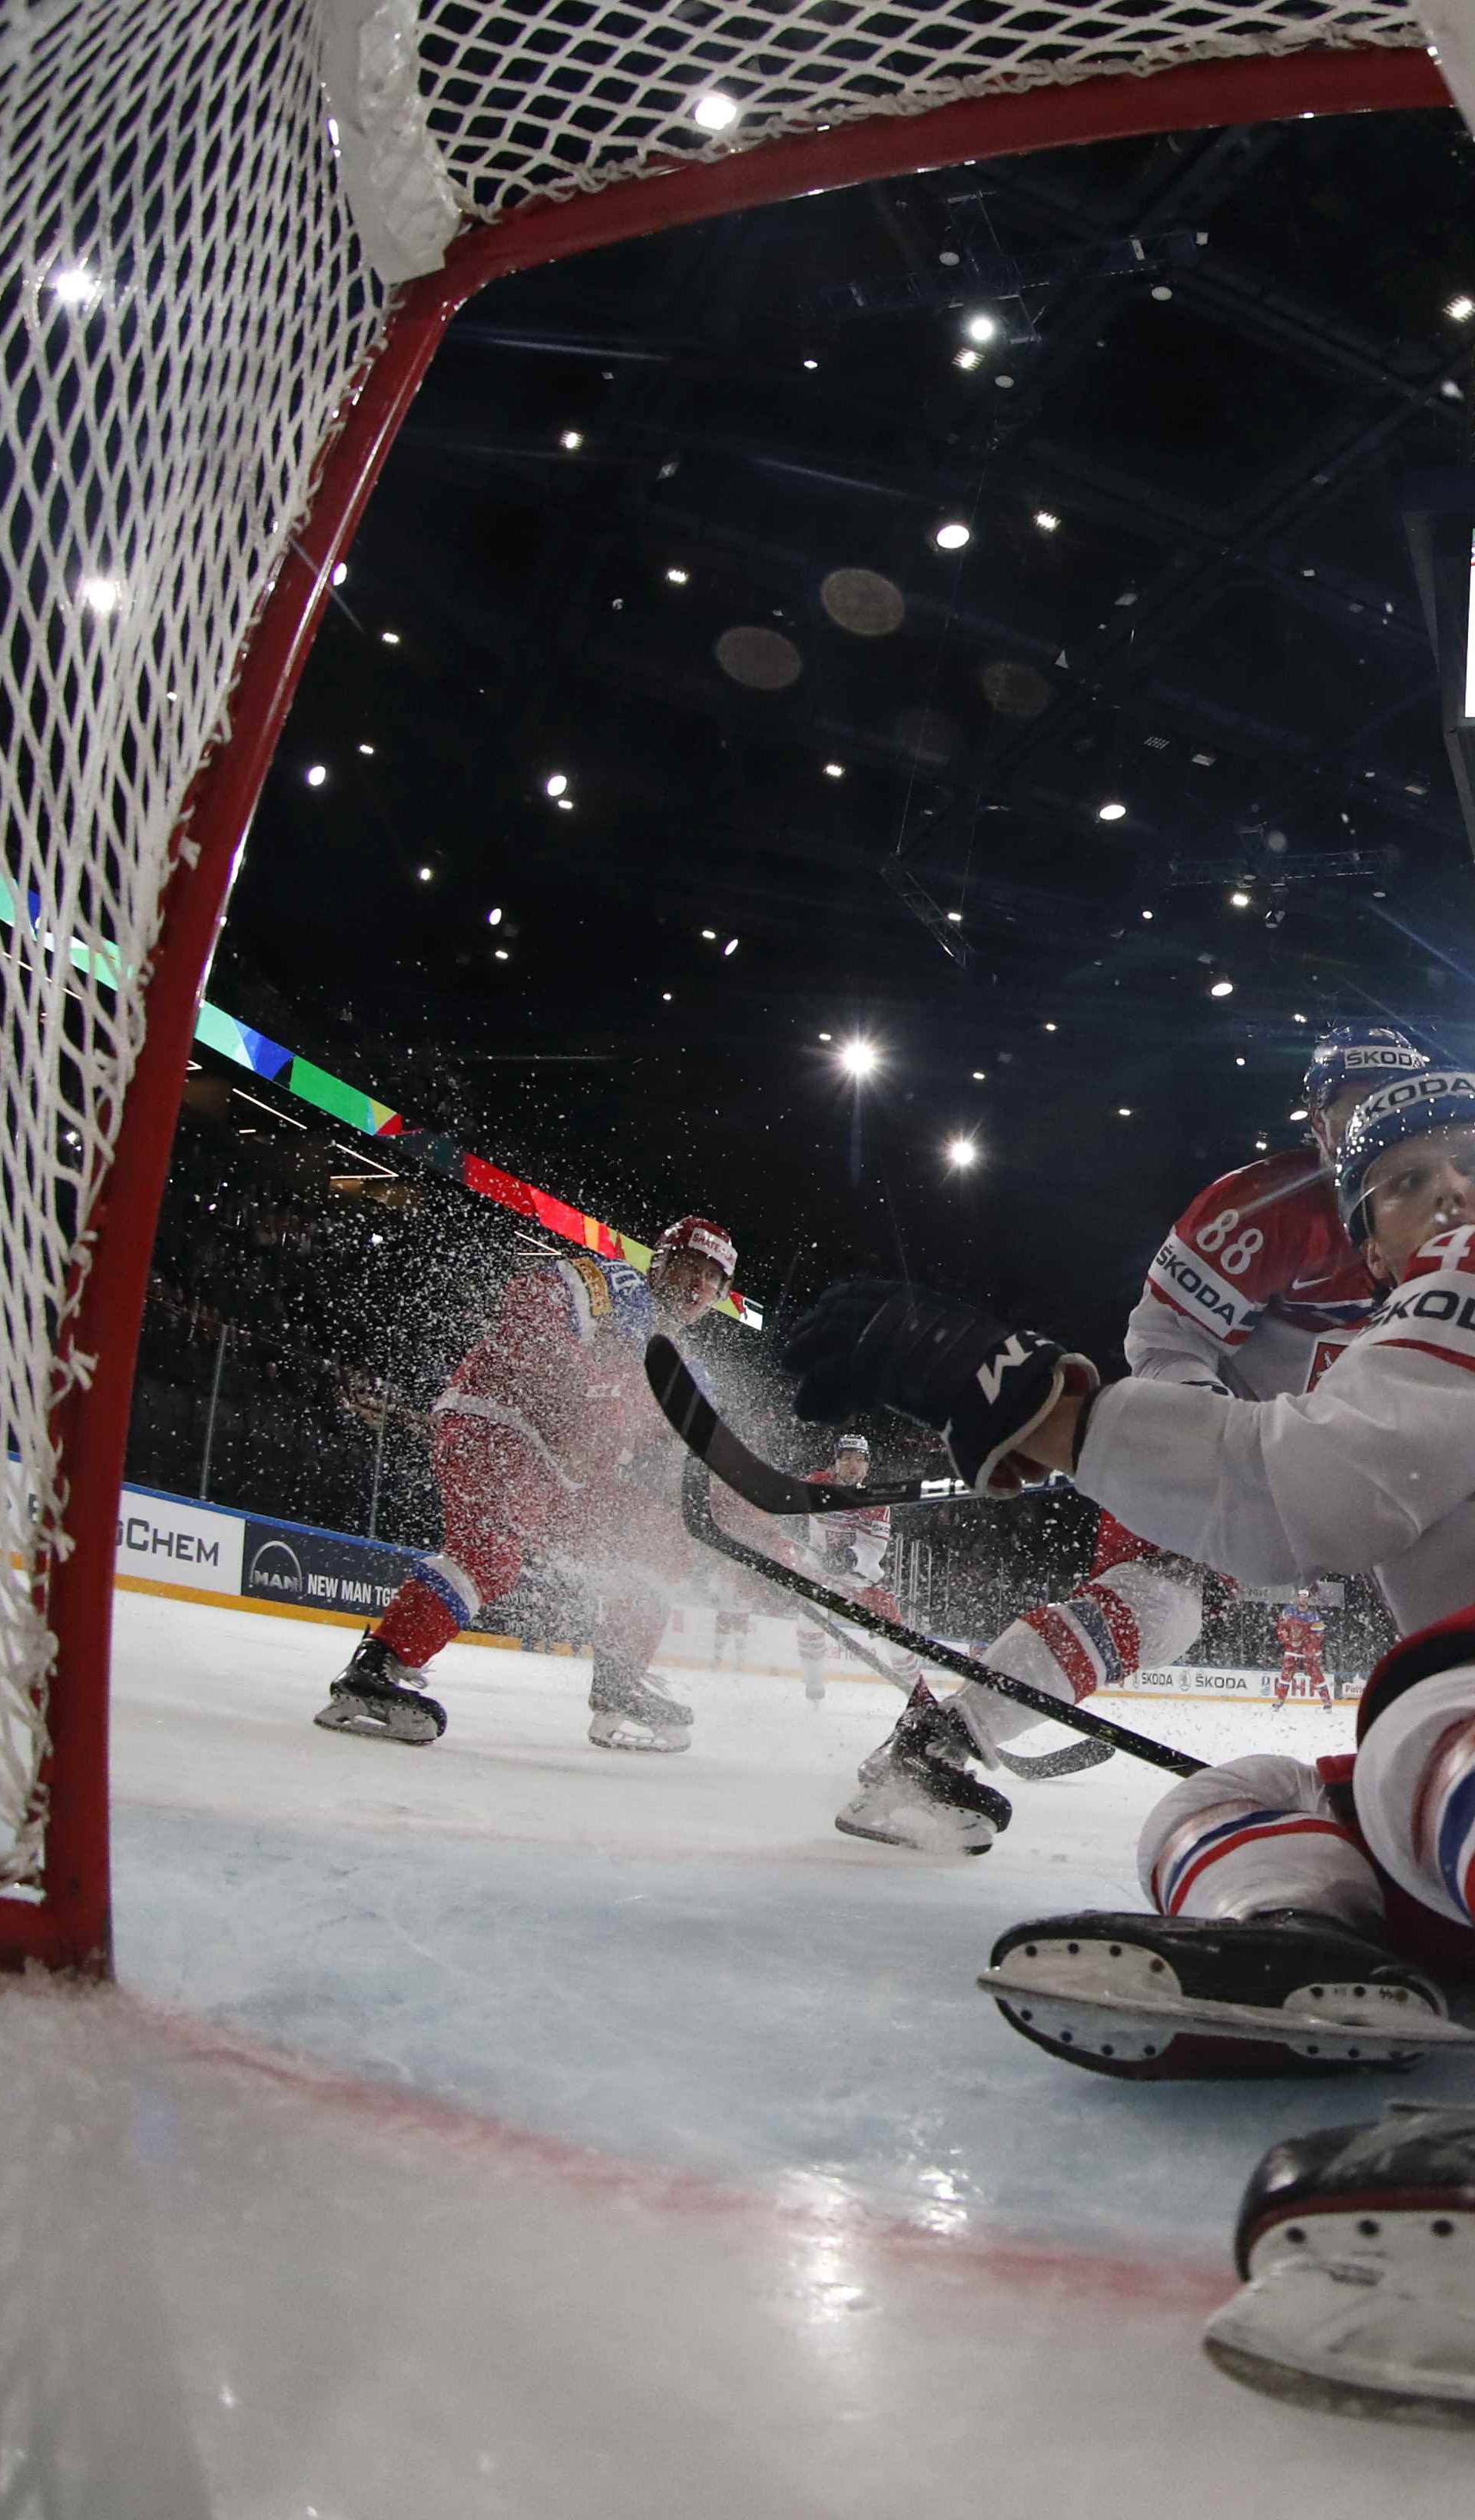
{"x": 630, "y": 1711}
{"x": 916, "y": 1789}
{"x": 1355, "y": 2246}
{"x": 382, "y": 1697}
{"x": 1171, "y": 1999}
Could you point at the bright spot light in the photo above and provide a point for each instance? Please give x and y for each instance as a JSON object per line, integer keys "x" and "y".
{"x": 1240, "y": 1063}
{"x": 556, "y": 785}
{"x": 571, "y": 441}
{"x": 1124, "y": 1110}
{"x": 1050, "y": 1027}
{"x": 981, "y": 327}
{"x": 1111, "y": 812}
{"x": 1298, "y": 1018}
{"x": 1146, "y": 913}
{"x": 425, "y": 874}
{"x": 1047, "y": 520}
{"x": 1222, "y": 989}
{"x": 827, "y": 1036}
{"x": 367, "y": 749}
{"x": 498, "y": 954}
{"x": 710, "y": 933}
{"x": 665, "y": 997}
{"x": 1300, "y": 1113}
{"x": 980, "y": 1075}
{"x": 730, "y": 947}
{"x": 966, "y": 358}
{"x": 954, "y": 919}
{"x": 494, "y": 919}
{"x": 1239, "y": 901}
{"x": 676, "y": 576}
{"x": 566, "y": 804}
{"x": 810, "y": 364}
{"x": 341, "y": 573}
{"x": 75, "y": 286}
{"x": 1260, "y": 1145}
{"x": 1461, "y": 309}
{"x": 858, "y": 1058}
{"x": 390, "y": 638}
{"x": 101, "y": 594}
{"x": 962, "y": 1151}
{"x": 317, "y": 775}
{"x": 715, "y": 112}
{"x": 834, "y": 769}
{"x": 952, "y": 537}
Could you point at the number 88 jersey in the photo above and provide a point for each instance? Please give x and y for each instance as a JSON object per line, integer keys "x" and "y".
{"x": 1257, "y": 1287}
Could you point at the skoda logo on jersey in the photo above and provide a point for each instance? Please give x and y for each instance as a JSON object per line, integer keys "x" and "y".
{"x": 1187, "y": 1279}
{"x": 277, "y": 1569}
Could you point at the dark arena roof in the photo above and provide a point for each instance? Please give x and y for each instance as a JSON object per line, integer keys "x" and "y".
{"x": 664, "y": 526}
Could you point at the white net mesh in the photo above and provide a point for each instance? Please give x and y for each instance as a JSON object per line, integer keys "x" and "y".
{"x": 183, "y": 307}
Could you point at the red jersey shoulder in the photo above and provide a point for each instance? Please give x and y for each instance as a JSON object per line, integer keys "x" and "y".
{"x": 1272, "y": 1228}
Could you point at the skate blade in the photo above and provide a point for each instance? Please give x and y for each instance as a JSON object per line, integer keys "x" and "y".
{"x": 911, "y": 1841}
{"x": 1345, "y": 2339}
{"x": 1134, "y": 2028}
{"x": 623, "y": 1732}
{"x": 414, "y": 1727}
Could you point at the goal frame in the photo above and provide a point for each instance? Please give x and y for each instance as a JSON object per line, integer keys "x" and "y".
{"x": 69, "y": 1927}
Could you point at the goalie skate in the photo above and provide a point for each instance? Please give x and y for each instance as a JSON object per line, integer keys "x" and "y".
{"x": 372, "y": 1698}
{"x": 1355, "y": 2245}
{"x": 1143, "y": 1997}
{"x": 630, "y": 1711}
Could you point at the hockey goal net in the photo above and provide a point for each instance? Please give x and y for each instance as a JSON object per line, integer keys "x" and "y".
{"x": 232, "y": 238}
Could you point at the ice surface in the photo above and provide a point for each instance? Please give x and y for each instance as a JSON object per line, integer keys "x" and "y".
{"x": 511, "y": 2128}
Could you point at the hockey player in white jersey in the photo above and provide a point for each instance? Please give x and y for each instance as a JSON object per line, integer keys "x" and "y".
{"x": 1255, "y": 1290}
{"x": 848, "y": 1553}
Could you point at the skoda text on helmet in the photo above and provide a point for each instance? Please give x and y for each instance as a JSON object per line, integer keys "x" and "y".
{"x": 699, "y": 1235}
{"x": 1441, "y": 1098}
{"x": 1358, "y": 1055}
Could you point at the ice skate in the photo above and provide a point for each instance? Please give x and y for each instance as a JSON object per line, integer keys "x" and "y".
{"x": 631, "y": 1711}
{"x": 1353, "y": 2244}
{"x": 1165, "y": 1999}
{"x": 381, "y": 1696}
{"x": 916, "y": 1789}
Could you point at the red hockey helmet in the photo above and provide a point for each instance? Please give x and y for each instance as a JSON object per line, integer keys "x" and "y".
{"x": 699, "y": 1235}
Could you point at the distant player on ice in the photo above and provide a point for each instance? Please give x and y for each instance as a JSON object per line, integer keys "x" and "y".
{"x": 848, "y": 1553}
{"x": 547, "y": 1438}
{"x": 1255, "y": 1290}
{"x": 1300, "y": 1633}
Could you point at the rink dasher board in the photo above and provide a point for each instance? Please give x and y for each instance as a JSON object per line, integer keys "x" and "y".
{"x": 1227, "y": 1687}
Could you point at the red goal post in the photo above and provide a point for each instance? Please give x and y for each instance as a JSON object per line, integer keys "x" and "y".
{"x": 203, "y": 373}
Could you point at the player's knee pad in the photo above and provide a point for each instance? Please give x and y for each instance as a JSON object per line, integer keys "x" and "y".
{"x": 1413, "y": 1785}
{"x": 1163, "y": 1597}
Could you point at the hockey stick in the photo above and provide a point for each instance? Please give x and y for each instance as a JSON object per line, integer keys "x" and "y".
{"x": 702, "y": 1524}
{"x": 687, "y": 1407}
{"x": 1076, "y": 1757}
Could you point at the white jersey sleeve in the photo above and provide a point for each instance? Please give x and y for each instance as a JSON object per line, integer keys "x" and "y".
{"x": 1355, "y": 1474}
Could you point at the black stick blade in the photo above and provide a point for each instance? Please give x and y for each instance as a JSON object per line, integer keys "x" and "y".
{"x": 686, "y": 1408}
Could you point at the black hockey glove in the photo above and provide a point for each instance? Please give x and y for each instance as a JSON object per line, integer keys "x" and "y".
{"x": 870, "y": 1343}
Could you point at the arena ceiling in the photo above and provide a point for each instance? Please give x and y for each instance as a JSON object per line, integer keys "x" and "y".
{"x": 663, "y": 525}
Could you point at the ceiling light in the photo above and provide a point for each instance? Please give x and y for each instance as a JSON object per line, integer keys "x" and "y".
{"x": 1124, "y": 1110}
{"x": 1300, "y": 1113}
{"x": 566, "y": 804}
{"x": 1050, "y": 1027}
{"x": 1222, "y": 989}
{"x": 810, "y": 364}
{"x": 1240, "y": 1063}
{"x": 494, "y": 919}
{"x": 1239, "y": 901}
{"x": 1461, "y": 309}
{"x": 390, "y": 638}
{"x": 101, "y": 594}
{"x": 571, "y": 439}
{"x": 665, "y": 997}
{"x": 834, "y": 769}
{"x": 980, "y": 1076}
{"x": 74, "y": 287}
{"x": 317, "y": 775}
{"x": 1261, "y": 1145}
{"x": 981, "y": 327}
{"x": 1048, "y": 523}
{"x": 954, "y": 919}
{"x": 710, "y": 933}
{"x": 1298, "y": 1018}
{"x": 425, "y": 874}
{"x": 730, "y": 947}
{"x": 498, "y": 954}
{"x": 367, "y": 749}
{"x": 1204, "y": 760}
{"x": 714, "y": 111}
{"x": 1146, "y": 913}
{"x": 952, "y": 537}
{"x": 962, "y": 1151}
{"x": 556, "y": 785}
{"x": 827, "y": 1036}
{"x": 676, "y": 577}
{"x": 1162, "y": 294}
{"x": 1111, "y": 812}
{"x": 858, "y": 1058}
{"x": 339, "y": 573}
{"x": 966, "y": 358}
